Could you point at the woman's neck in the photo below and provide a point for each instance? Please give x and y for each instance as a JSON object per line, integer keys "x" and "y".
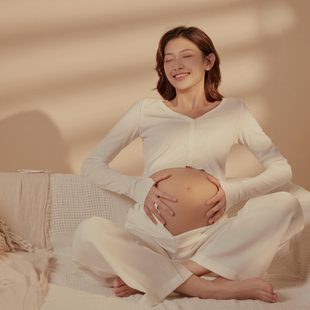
{"x": 190, "y": 101}
{"x": 192, "y": 105}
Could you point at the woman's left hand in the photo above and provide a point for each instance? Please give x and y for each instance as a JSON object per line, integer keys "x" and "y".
{"x": 219, "y": 200}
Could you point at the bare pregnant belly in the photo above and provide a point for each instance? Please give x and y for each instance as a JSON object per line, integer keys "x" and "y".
{"x": 192, "y": 189}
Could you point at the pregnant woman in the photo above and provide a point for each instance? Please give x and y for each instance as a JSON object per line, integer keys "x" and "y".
{"x": 178, "y": 230}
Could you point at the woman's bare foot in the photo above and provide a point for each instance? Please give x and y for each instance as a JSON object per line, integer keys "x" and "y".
{"x": 254, "y": 288}
{"x": 121, "y": 289}
{"x": 221, "y": 288}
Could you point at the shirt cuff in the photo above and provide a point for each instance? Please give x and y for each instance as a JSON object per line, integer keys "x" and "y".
{"x": 143, "y": 187}
{"x": 230, "y": 192}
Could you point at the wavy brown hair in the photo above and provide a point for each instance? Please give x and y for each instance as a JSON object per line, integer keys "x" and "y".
{"x": 204, "y": 43}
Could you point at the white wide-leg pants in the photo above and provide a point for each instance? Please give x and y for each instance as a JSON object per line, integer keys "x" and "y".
{"x": 148, "y": 258}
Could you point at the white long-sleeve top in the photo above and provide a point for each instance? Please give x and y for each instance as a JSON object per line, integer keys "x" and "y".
{"x": 172, "y": 140}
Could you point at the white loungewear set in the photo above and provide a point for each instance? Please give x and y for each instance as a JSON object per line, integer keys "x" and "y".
{"x": 146, "y": 256}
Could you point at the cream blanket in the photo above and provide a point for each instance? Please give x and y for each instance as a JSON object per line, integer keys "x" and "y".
{"x": 23, "y": 229}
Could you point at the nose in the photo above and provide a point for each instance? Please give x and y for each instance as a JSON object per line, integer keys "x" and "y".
{"x": 178, "y": 64}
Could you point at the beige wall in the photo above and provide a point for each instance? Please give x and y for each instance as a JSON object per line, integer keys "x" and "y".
{"x": 68, "y": 71}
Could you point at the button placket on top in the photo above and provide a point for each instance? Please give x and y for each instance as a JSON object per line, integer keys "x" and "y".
{"x": 191, "y": 139}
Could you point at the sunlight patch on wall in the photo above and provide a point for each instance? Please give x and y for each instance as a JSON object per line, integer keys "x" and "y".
{"x": 232, "y": 29}
{"x": 244, "y": 71}
{"x": 276, "y": 18}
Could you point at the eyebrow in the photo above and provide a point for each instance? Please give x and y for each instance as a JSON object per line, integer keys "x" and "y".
{"x": 185, "y": 50}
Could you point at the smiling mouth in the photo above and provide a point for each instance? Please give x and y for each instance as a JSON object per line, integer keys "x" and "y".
{"x": 178, "y": 76}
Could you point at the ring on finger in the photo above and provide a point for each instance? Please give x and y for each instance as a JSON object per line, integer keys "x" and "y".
{"x": 156, "y": 207}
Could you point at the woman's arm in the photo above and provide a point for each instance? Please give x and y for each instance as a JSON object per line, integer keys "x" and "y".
{"x": 277, "y": 170}
{"x": 142, "y": 190}
{"x": 95, "y": 166}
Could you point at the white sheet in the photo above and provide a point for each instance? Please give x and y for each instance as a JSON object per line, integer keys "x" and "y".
{"x": 73, "y": 198}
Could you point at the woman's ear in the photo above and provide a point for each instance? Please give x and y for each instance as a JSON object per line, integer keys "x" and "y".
{"x": 210, "y": 60}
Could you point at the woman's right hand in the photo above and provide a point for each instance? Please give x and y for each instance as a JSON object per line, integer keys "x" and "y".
{"x": 154, "y": 197}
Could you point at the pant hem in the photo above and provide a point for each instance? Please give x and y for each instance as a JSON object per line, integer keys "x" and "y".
{"x": 159, "y": 295}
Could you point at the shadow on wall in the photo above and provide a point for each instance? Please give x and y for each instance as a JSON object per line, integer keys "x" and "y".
{"x": 30, "y": 140}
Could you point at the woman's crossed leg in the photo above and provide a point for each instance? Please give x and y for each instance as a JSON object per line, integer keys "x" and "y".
{"x": 219, "y": 288}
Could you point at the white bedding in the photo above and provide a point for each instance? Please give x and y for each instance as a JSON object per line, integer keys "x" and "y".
{"x": 74, "y": 198}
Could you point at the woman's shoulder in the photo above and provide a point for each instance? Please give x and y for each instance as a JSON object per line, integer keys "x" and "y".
{"x": 233, "y": 102}
{"x": 144, "y": 107}
{"x": 147, "y": 101}
{"x": 147, "y": 105}
{"x": 151, "y": 101}
{"x": 232, "y": 105}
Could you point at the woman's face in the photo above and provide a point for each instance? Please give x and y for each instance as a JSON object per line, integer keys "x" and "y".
{"x": 185, "y": 65}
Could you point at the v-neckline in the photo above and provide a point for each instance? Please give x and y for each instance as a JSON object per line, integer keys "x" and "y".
{"x": 186, "y": 116}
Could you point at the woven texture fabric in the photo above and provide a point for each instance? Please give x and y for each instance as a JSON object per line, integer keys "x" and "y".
{"x": 73, "y": 199}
